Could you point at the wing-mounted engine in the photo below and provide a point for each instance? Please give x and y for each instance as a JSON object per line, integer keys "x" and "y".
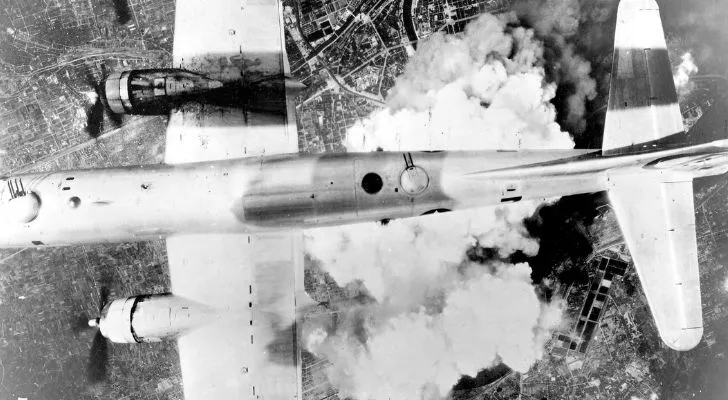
{"x": 155, "y": 91}
{"x": 158, "y": 91}
{"x": 150, "y": 318}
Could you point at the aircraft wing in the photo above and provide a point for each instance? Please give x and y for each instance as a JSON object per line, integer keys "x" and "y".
{"x": 230, "y": 41}
{"x": 654, "y": 207}
{"x": 252, "y": 281}
{"x": 657, "y": 217}
{"x": 643, "y": 111}
{"x": 250, "y": 350}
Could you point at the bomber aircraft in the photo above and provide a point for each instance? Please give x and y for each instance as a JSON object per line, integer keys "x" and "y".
{"x": 233, "y": 194}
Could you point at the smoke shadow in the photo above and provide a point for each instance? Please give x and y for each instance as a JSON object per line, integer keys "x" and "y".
{"x": 123, "y": 13}
{"x": 282, "y": 349}
{"x": 484, "y": 377}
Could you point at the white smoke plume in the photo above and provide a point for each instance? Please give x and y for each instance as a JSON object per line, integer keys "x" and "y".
{"x": 483, "y": 88}
{"x": 435, "y": 316}
{"x": 432, "y": 315}
{"x": 397, "y": 263}
{"x": 682, "y": 73}
{"x": 422, "y": 353}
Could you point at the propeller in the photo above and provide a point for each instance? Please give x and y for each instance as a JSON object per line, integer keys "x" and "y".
{"x": 95, "y": 113}
{"x": 98, "y": 358}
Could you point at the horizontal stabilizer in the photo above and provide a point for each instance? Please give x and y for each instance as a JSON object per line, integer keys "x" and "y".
{"x": 657, "y": 217}
{"x": 643, "y": 111}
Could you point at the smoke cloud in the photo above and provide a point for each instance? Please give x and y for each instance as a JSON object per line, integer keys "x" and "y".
{"x": 578, "y": 45}
{"x": 560, "y": 24}
{"x": 425, "y": 314}
{"x": 476, "y": 75}
{"x": 682, "y": 73}
{"x": 422, "y": 353}
{"x": 484, "y": 88}
{"x": 698, "y": 27}
{"x": 401, "y": 263}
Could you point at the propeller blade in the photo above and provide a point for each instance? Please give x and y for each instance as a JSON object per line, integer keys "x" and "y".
{"x": 95, "y": 119}
{"x": 91, "y": 80}
{"x": 104, "y": 73}
{"x": 98, "y": 360}
{"x": 116, "y": 119}
{"x": 103, "y": 297}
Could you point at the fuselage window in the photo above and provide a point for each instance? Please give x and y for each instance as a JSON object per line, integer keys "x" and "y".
{"x": 372, "y": 183}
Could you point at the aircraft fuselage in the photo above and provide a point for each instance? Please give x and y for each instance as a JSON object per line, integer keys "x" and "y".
{"x": 303, "y": 191}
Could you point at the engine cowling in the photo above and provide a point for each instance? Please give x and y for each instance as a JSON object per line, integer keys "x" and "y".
{"x": 150, "y": 318}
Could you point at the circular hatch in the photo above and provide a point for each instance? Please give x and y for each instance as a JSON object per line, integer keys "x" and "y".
{"x": 414, "y": 180}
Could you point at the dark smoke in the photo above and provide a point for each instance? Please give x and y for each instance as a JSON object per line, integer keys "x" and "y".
{"x": 95, "y": 119}
{"x": 562, "y": 229}
{"x": 587, "y": 27}
{"x": 578, "y": 38}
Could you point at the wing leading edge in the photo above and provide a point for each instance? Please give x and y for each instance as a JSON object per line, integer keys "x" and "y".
{"x": 657, "y": 217}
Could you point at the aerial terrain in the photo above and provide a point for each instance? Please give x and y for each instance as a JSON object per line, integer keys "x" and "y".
{"x": 350, "y": 54}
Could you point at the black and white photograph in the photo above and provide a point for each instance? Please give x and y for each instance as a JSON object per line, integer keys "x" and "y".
{"x": 364, "y": 199}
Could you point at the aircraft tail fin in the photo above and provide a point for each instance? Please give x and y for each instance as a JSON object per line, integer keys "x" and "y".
{"x": 643, "y": 112}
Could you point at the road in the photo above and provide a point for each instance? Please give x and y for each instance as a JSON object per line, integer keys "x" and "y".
{"x": 133, "y": 122}
{"x": 607, "y": 245}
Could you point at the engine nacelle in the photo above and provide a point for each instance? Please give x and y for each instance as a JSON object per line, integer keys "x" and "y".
{"x": 154, "y": 91}
{"x": 157, "y": 91}
{"x": 151, "y": 318}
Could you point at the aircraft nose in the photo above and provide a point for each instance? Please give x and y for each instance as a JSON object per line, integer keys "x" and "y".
{"x": 682, "y": 339}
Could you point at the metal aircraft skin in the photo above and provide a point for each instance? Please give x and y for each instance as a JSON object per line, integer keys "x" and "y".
{"x": 234, "y": 195}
